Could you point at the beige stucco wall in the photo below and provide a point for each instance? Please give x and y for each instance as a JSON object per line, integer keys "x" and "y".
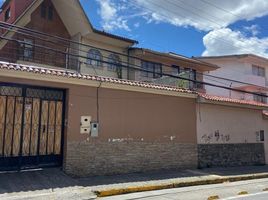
{"x": 132, "y": 115}
{"x": 102, "y": 70}
{"x": 234, "y": 125}
{"x": 154, "y": 130}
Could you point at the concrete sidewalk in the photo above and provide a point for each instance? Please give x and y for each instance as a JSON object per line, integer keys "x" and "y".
{"x": 54, "y": 184}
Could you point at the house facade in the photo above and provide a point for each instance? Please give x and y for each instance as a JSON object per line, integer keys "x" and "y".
{"x": 92, "y": 103}
{"x": 87, "y": 50}
{"x": 45, "y": 115}
{"x": 249, "y": 71}
{"x": 65, "y": 103}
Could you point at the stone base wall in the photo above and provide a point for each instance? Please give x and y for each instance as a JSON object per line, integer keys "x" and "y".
{"x": 107, "y": 158}
{"x": 229, "y": 155}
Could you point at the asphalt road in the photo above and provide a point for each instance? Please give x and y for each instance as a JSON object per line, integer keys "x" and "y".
{"x": 226, "y": 191}
{"x": 257, "y": 196}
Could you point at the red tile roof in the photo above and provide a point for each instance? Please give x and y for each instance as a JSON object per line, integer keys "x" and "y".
{"x": 265, "y": 112}
{"x": 230, "y": 100}
{"x": 71, "y": 74}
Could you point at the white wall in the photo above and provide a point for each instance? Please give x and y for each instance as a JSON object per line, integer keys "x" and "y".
{"x": 234, "y": 125}
{"x": 235, "y": 69}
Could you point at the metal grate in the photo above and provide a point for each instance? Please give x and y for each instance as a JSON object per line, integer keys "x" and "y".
{"x": 44, "y": 94}
{"x": 10, "y": 91}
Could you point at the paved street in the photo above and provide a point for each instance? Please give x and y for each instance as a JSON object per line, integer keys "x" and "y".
{"x": 52, "y": 183}
{"x": 223, "y": 191}
{"x": 257, "y": 196}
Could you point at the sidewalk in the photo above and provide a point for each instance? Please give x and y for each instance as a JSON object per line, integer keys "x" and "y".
{"x": 54, "y": 184}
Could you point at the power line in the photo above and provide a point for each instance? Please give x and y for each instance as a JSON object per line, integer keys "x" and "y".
{"x": 218, "y": 7}
{"x": 30, "y": 32}
{"x": 177, "y": 13}
{"x": 148, "y": 71}
{"x": 136, "y": 67}
{"x": 60, "y": 44}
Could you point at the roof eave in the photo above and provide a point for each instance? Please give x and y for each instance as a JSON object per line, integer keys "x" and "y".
{"x": 201, "y": 99}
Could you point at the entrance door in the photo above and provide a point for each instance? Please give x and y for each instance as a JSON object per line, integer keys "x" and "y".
{"x": 31, "y": 126}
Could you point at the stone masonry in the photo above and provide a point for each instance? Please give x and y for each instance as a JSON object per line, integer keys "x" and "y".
{"x": 107, "y": 158}
{"x": 229, "y": 155}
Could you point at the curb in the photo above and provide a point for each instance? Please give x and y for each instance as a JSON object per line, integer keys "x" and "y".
{"x": 127, "y": 190}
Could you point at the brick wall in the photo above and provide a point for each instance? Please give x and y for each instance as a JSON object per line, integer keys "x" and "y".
{"x": 227, "y": 155}
{"x": 106, "y": 158}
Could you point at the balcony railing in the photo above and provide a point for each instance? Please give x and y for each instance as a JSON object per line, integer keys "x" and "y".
{"x": 55, "y": 55}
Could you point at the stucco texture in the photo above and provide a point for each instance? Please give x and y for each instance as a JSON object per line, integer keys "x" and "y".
{"x": 135, "y": 127}
{"x": 219, "y": 124}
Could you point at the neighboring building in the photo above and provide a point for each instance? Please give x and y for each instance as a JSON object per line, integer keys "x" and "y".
{"x": 231, "y": 132}
{"x": 92, "y": 51}
{"x": 249, "y": 69}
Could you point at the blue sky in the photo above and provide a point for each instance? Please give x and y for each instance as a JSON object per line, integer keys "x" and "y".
{"x": 187, "y": 27}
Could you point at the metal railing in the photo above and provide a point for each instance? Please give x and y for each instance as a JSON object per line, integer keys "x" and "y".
{"x": 21, "y": 48}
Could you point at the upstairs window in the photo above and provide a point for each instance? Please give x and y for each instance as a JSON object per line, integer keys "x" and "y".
{"x": 185, "y": 74}
{"x": 26, "y": 50}
{"x": 7, "y": 14}
{"x": 47, "y": 12}
{"x": 259, "y": 98}
{"x": 262, "y": 135}
{"x": 151, "y": 69}
{"x": 50, "y": 13}
{"x": 94, "y": 57}
{"x": 43, "y": 10}
{"x": 258, "y": 71}
{"x": 175, "y": 70}
{"x": 114, "y": 62}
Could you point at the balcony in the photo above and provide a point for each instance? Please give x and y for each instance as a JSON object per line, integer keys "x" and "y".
{"x": 54, "y": 53}
{"x": 255, "y": 80}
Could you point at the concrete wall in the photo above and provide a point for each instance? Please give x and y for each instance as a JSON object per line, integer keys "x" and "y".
{"x": 230, "y": 132}
{"x": 138, "y": 131}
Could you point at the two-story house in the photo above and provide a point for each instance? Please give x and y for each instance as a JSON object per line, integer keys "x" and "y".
{"x": 86, "y": 49}
{"x": 54, "y": 18}
{"x": 245, "y": 72}
{"x": 93, "y": 103}
{"x": 169, "y": 69}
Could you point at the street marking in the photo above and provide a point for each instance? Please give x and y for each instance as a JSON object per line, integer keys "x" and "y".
{"x": 243, "y": 193}
{"x": 213, "y": 197}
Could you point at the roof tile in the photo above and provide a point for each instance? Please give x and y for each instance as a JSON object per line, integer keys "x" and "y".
{"x": 231, "y": 100}
{"x": 71, "y": 74}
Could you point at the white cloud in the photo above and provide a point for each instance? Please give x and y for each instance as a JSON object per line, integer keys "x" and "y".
{"x": 137, "y": 25}
{"x": 211, "y": 16}
{"x": 203, "y": 14}
{"x": 253, "y": 29}
{"x": 214, "y": 17}
{"x": 109, "y": 15}
{"x": 225, "y": 41}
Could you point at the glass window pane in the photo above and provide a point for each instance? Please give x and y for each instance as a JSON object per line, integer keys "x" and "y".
{"x": 94, "y": 58}
{"x": 114, "y": 62}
